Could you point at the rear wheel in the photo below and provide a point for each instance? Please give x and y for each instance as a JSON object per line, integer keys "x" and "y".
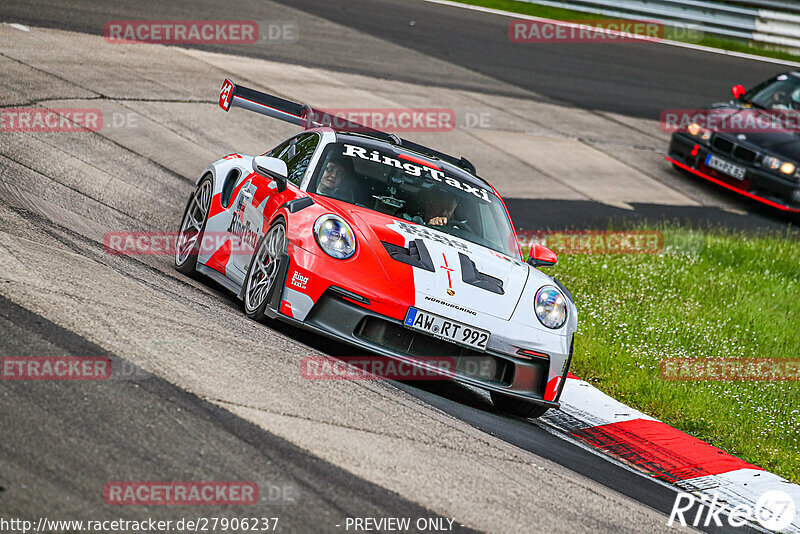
{"x": 518, "y": 407}
{"x": 263, "y": 271}
{"x": 193, "y": 225}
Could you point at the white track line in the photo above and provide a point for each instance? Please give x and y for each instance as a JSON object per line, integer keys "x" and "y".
{"x": 19, "y": 27}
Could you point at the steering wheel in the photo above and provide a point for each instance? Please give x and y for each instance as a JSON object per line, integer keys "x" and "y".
{"x": 458, "y": 225}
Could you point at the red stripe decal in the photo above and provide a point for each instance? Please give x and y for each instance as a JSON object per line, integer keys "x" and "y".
{"x": 732, "y": 188}
{"x": 570, "y": 375}
{"x": 665, "y": 453}
{"x": 551, "y": 390}
{"x": 216, "y": 201}
{"x": 219, "y": 260}
{"x": 418, "y": 161}
{"x": 262, "y": 189}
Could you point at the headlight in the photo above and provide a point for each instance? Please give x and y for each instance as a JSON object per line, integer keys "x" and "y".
{"x": 774, "y": 164}
{"x": 335, "y": 237}
{"x": 550, "y": 307}
{"x": 696, "y": 130}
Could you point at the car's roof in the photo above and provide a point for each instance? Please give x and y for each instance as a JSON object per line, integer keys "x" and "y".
{"x": 439, "y": 159}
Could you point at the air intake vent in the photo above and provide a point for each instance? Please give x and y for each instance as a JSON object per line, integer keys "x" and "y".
{"x": 481, "y": 365}
{"x": 744, "y": 154}
{"x": 722, "y": 145}
{"x": 470, "y": 275}
{"x": 415, "y": 255}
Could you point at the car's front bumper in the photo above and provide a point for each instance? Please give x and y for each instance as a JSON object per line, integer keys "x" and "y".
{"x": 762, "y": 186}
{"x": 337, "y": 316}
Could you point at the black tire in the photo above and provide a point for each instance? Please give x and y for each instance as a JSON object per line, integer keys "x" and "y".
{"x": 256, "y": 300}
{"x": 187, "y": 264}
{"x": 517, "y": 407}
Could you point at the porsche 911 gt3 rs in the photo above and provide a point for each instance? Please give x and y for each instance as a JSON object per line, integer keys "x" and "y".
{"x": 386, "y": 245}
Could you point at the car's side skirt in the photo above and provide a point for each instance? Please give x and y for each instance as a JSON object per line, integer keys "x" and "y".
{"x": 219, "y": 278}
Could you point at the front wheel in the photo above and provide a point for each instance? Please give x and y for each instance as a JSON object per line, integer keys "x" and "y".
{"x": 518, "y": 407}
{"x": 263, "y": 271}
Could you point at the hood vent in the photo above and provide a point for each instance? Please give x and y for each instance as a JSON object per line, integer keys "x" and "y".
{"x": 470, "y": 275}
{"x": 415, "y": 255}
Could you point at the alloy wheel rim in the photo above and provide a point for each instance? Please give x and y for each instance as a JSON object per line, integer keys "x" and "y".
{"x": 265, "y": 268}
{"x": 192, "y": 223}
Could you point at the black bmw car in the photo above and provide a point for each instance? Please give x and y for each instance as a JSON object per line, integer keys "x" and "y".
{"x": 750, "y": 145}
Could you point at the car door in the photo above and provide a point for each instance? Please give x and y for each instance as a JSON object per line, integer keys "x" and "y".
{"x": 261, "y": 196}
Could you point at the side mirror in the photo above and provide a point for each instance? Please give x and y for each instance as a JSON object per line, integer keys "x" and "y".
{"x": 541, "y": 256}
{"x": 272, "y": 168}
{"x": 738, "y": 91}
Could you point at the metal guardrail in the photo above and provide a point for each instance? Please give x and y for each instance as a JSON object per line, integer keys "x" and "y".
{"x": 768, "y": 21}
{"x": 783, "y": 5}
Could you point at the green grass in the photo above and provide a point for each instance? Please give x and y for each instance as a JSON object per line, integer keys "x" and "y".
{"x": 707, "y": 295}
{"x": 671, "y": 33}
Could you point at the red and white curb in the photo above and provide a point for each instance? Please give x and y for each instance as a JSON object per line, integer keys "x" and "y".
{"x": 663, "y": 452}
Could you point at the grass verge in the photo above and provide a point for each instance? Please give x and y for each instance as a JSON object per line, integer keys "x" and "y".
{"x": 671, "y": 33}
{"x": 705, "y": 295}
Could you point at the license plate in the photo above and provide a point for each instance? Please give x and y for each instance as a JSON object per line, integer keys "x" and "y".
{"x": 447, "y": 329}
{"x": 731, "y": 169}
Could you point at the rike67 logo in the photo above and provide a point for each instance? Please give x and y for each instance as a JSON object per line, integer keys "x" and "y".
{"x": 775, "y": 510}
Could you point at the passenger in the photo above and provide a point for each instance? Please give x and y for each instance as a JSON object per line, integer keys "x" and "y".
{"x": 337, "y": 178}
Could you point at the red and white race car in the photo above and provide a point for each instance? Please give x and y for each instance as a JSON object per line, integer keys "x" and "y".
{"x": 386, "y": 245}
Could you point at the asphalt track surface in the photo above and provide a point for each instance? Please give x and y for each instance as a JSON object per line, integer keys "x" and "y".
{"x": 636, "y": 79}
{"x": 68, "y": 438}
{"x": 633, "y": 79}
{"x": 599, "y": 77}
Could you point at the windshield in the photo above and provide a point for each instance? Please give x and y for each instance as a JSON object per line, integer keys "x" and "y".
{"x": 781, "y": 93}
{"x": 409, "y": 186}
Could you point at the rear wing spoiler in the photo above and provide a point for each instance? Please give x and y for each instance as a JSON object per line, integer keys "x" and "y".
{"x": 237, "y": 96}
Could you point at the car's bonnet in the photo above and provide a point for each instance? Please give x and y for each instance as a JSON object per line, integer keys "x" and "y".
{"x": 458, "y": 271}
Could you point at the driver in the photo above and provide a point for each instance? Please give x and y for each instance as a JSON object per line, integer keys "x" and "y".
{"x": 335, "y": 178}
{"x": 779, "y": 100}
{"x": 437, "y": 209}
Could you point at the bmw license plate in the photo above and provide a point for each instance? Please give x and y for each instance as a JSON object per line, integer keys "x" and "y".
{"x": 737, "y": 171}
{"x": 446, "y": 329}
